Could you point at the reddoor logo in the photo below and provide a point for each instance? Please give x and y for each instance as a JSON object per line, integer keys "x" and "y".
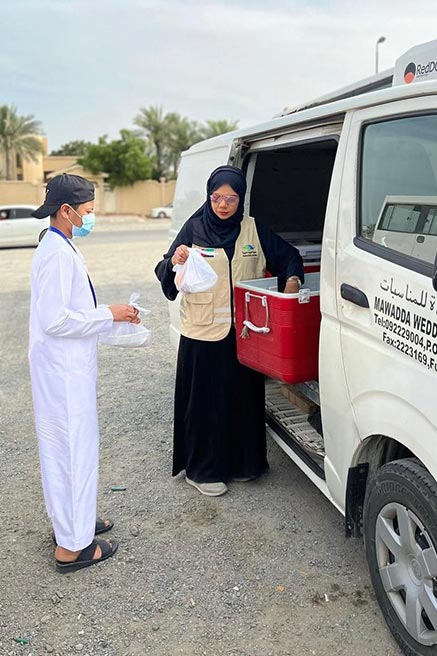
{"x": 420, "y": 71}
{"x": 410, "y": 73}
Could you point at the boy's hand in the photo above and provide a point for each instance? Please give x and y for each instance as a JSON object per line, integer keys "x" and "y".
{"x": 125, "y": 313}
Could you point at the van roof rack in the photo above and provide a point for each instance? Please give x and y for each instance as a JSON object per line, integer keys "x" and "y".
{"x": 382, "y": 80}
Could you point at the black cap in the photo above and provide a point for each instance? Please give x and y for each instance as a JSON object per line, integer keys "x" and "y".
{"x": 65, "y": 188}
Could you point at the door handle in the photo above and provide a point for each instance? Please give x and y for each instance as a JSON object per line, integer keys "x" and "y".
{"x": 354, "y": 295}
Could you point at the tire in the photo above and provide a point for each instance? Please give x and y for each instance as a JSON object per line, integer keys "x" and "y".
{"x": 42, "y": 234}
{"x": 400, "y": 535}
{"x": 162, "y": 215}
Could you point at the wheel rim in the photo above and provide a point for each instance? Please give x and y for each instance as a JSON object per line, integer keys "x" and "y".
{"x": 407, "y": 565}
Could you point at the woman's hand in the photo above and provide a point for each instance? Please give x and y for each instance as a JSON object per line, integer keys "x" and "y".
{"x": 180, "y": 255}
{"x": 291, "y": 287}
{"x": 125, "y": 313}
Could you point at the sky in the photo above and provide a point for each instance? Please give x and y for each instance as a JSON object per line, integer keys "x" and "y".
{"x": 84, "y": 68}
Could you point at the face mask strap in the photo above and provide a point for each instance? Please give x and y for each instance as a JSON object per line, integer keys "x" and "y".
{"x": 79, "y": 215}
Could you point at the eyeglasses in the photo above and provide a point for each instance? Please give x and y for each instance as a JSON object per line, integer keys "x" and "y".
{"x": 230, "y": 200}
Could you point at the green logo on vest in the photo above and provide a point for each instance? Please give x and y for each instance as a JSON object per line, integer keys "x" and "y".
{"x": 249, "y": 250}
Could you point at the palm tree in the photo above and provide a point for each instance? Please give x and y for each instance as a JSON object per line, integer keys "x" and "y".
{"x": 215, "y": 128}
{"x": 181, "y": 134}
{"x": 153, "y": 124}
{"x": 18, "y": 134}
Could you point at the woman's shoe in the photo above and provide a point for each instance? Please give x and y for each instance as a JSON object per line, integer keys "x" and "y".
{"x": 208, "y": 489}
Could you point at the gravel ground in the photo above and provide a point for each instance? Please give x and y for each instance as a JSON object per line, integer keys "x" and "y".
{"x": 263, "y": 571}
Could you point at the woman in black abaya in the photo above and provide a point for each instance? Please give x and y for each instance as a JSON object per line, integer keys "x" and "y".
{"x": 219, "y": 427}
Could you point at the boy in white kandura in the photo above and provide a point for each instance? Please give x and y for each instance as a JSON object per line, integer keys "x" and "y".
{"x": 65, "y": 321}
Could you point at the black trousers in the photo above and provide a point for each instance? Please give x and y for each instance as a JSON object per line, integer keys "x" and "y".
{"x": 219, "y": 425}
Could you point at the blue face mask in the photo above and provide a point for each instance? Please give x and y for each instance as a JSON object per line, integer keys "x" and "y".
{"x": 88, "y": 222}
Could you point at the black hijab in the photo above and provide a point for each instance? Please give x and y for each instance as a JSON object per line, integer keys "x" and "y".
{"x": 210, "y": 230}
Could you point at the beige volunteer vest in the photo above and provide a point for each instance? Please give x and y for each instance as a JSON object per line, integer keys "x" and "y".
{"x": 207, "y": 315}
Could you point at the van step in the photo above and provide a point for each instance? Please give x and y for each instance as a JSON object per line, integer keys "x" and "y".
{"x": 310, "y": 390}
{"x": 293, "y": 421}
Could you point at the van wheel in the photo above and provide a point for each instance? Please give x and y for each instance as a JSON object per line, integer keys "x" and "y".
{"x": 400, "y": 534}
{"x": 162, "y": 215}
{"x": 41, "y": 234}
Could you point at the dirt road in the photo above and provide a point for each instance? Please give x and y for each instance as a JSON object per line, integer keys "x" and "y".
{"x": 263, "y": 571}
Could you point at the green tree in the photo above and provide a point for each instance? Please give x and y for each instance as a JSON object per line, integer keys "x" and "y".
{"x": 18, "y": 135}
{"x": 123, "y": 160}
{"x": 77, "y": 147}
{"x": 215, "y": 128}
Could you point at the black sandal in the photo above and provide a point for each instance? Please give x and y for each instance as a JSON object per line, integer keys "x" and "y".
{"x": 86, "y": 556}
{"x": 101, "y": 527}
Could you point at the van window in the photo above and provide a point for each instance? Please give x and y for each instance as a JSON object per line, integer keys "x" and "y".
{"x": 398, "y": 200}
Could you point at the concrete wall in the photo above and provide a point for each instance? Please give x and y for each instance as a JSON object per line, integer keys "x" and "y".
{"x": 135, "y": 199}
{"x": 140, "y": 197}
{"x": 21, "y": 193}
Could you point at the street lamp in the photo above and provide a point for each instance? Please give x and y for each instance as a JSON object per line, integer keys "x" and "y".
{"x": 380, "y": 40}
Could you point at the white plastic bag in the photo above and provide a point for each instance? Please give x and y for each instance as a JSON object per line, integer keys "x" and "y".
{"x": 126, "y": 334}
{"x": 133, "y": 301}
{"x": 196, "y": 275}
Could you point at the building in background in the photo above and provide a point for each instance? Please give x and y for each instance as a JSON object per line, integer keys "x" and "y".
{"x": 30, "y": 178}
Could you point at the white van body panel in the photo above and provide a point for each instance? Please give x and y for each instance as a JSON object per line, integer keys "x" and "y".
{"x": 391, "y": 393}
{"x": 337, "y": 414}
{"x": 316, "y": 115}
{"x": 295, "y": 136}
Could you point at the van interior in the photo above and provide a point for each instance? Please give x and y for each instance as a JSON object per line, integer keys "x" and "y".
{"x": 288, "y": 190}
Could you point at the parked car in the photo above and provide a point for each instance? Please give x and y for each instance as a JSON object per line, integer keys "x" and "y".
{"x": 19, "y": 228}
{"x": 165, "y": 212}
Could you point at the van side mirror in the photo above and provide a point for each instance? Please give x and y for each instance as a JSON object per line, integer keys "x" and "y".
{"x": 434, "y": 274}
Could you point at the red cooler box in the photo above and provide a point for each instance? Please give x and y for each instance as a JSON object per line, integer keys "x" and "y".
{"x": 278, "y": 334}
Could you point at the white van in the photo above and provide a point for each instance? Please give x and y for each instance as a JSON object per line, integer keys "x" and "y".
{"x": 338, "y": 178}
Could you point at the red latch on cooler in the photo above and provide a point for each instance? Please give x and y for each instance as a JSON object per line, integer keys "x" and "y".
{"x": 247, "y": 324}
